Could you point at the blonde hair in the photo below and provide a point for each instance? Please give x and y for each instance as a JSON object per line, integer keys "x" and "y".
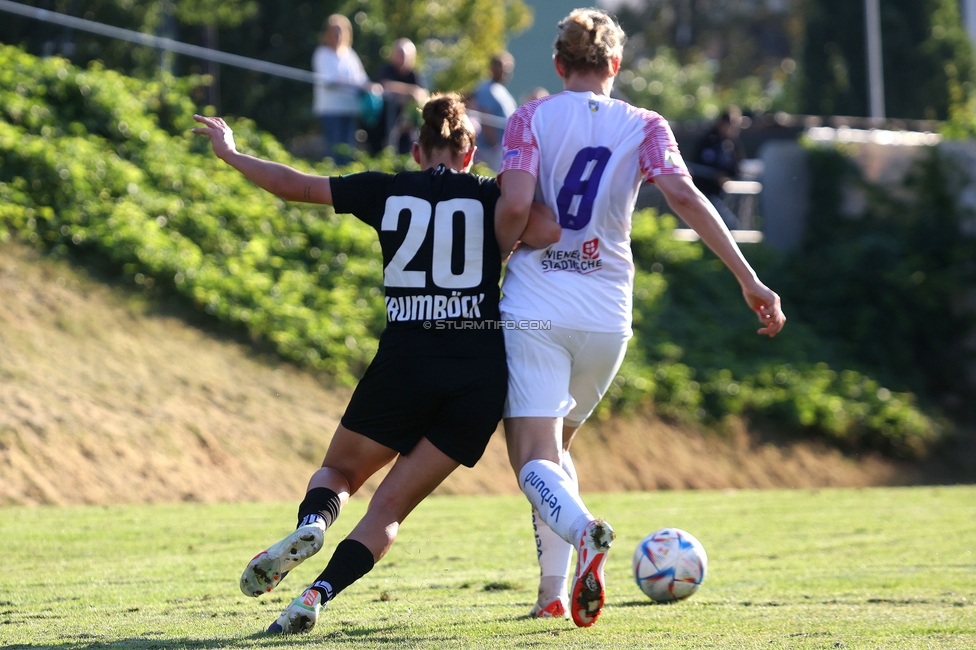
{"x": 589, "y": 40}
{"x": 340, "y": 21}
{"x": 446, "y": 125}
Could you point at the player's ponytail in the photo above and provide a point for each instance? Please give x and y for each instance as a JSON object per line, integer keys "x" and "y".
{"x": 589, "y": 40}
{"x": 446, "y": 125}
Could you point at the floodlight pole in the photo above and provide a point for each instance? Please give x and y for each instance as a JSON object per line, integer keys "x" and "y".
{"x": 872, "y": 13}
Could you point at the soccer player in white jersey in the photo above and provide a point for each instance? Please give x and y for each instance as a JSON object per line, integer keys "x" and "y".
{"x": 585, "y": 155}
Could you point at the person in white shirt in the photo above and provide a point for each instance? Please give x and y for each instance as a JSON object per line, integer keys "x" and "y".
{"x": 586, "y": 156}
{"x": 335, "y": 99}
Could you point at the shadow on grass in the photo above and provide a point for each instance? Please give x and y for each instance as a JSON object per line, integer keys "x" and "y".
{"x": 347, "y": 637}
{"x": 647, "y": 602}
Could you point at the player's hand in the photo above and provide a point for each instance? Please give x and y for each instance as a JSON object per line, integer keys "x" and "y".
{"x": 221, "y": 137}
{"x": 762, "y": 300}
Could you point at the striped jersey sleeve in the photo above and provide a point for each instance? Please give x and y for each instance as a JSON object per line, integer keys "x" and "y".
{"x": 658, "y": 150}
{"x": 520, "y": 146}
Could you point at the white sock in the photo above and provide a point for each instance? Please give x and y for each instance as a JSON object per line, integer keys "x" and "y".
{"x": 552, "y": 493}
{"x": 553, "y": 553}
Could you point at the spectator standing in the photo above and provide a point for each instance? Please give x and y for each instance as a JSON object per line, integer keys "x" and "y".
{"x": 717, "y": 159}
{"x": 336, "y": 94}
{"x": 492, "y": 97}
{"x": 402, "y": 86}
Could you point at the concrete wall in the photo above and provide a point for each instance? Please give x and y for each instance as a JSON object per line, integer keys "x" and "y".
{"x": 785, "y": 197}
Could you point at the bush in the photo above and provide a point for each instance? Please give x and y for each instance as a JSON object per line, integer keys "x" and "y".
{"x": 696, "y": 356}
{"x": 104, "y": 165}
{"x": 904, "y": 263}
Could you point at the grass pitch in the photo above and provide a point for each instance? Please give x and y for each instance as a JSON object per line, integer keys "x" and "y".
{"x": 868, "y": 568}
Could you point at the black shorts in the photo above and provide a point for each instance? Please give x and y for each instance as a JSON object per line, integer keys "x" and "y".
{"x": 456, "y": 403}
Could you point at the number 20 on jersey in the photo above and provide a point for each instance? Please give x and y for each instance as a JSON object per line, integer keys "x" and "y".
{"x": 443, "y": 276}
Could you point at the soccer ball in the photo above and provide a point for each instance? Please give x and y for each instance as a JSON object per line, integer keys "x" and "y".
{"x": 669, "y": 565}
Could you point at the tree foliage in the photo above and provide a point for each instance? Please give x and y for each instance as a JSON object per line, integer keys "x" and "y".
{"x": 685, "y": 92}
{"x": 906, "y": 263}
{"x": 693, "y": 59}
{"x": 147, "y": 16}
{"x": 456, "y": 38}
{"x": 926, "y": 53}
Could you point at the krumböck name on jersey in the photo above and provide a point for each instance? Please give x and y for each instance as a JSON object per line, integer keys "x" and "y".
{"x": 433, "y": 307}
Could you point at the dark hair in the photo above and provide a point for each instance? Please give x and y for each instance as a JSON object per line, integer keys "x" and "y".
{"x": 446, "y": 125}
{"x": 589, "y": 39}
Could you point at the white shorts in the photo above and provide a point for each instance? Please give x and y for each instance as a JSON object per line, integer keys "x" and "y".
{"x": 560, "y": 372}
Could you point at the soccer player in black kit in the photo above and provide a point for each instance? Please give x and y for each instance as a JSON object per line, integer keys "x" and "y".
{"x": 434, "y": 393}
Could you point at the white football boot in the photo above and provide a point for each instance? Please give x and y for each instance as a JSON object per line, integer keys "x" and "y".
{"x": 300, "y": 616}
{"x": 555, "y": 609}
{"x": 268, "y": 568}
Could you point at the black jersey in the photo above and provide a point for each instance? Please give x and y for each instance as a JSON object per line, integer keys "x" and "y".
{"x": 441, "y": 263}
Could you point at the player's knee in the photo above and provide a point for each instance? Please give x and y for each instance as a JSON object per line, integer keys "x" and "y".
{"x": 335, "y": 478}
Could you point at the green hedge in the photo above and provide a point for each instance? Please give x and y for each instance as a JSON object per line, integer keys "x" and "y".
{"x": 903, "y": 261}
{"x": 696, "y": 355}
{"x": 104, "y": 166}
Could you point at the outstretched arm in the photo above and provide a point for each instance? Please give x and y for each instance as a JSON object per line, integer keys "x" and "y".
{"x": 281, "y": 180}
{"x": 696, "y": 211}
{"x": 405, "y": 90}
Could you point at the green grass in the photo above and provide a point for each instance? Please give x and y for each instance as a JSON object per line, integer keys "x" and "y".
{"x": 869, "y": 568}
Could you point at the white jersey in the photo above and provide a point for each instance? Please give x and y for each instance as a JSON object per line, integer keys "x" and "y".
{"x": 337, "y": 90}
{"x": 590, "y": 155}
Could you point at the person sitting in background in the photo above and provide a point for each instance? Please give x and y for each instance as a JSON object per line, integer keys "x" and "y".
{"x": 716, "y": 160}
{"x": 492, "y": 98}
{"x": 401, "y": 86}
{"x": 336, "y": 94}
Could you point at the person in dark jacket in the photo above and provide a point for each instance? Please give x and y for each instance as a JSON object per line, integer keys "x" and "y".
{"x": 717, "y": 159}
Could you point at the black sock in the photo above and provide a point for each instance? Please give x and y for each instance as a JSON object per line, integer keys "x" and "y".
{"x": 350, "y": 562}
{"x": 320, "y": 503}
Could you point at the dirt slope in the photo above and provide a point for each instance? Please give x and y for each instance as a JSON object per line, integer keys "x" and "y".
{"x": 104, "y": 398}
